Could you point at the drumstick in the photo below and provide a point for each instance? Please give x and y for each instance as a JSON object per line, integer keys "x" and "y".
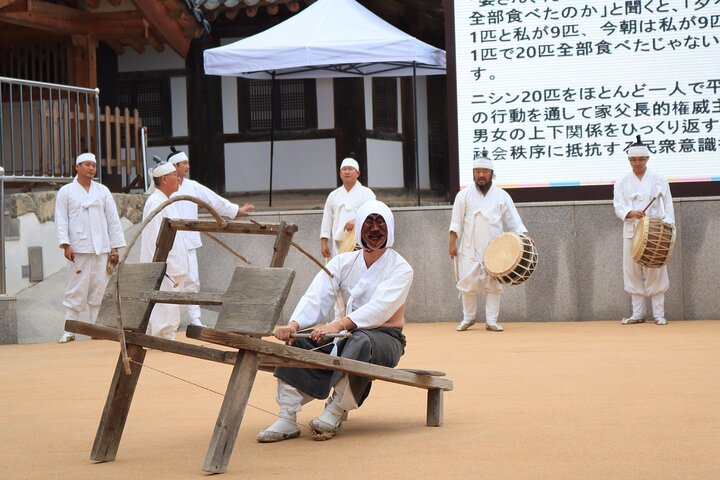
{"x": 455, "y": 268}
{"x": 648, "y": 205}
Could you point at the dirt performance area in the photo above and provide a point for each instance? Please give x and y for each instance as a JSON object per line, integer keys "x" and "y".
{"x": 585, "y": 400}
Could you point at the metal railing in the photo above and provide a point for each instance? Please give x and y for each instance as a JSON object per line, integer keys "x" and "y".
{"x": 43, "y": 128}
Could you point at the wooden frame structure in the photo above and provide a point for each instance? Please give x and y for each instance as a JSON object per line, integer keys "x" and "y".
{"x": 250, "y": 309}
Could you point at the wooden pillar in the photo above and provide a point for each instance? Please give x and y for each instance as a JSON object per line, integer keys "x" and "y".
{"x": 454, "y": 180}
{"x": 83, "y": 71}
{"x": 408, "y": 135}
{"x": 204, "y": 93}
{"x": 349, "y": 100}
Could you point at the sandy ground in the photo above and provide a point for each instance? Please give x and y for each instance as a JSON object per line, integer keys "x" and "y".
{"x": 590, "y": 400}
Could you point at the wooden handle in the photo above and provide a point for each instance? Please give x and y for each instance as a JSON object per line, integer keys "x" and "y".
{"x": 648, "y": 205}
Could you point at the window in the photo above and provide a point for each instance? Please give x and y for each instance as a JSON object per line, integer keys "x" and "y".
{"x": 150, "y": 95}
{"x": 385, "y": 109}
{"x": 295, "y": 105}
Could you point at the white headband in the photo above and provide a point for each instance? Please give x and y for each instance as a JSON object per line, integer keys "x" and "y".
{"x": 483, "y": 162}
{"x": 638, "y": 151}
{"x": 178, "y": 157}
{"x": 85, "y": 157}
{"x": 162, "y": 170}
{"x": 350, "y": 162}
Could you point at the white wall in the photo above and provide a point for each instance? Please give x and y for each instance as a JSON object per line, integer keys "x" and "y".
{"x": 34, "y": 234}
{"x": 384, "y": 164}
{"x": 297, "y": 165}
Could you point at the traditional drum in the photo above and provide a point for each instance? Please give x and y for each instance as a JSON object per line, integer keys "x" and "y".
{"x": 653, "y": 242}
{"x": 511, "y": 259}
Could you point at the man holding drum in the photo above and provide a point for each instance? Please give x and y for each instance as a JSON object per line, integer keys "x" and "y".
{"x": 639, "y": 193}
{"x": 479, "y": 215}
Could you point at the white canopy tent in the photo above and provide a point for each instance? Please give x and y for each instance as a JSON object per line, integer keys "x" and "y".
{"x": 330, "y": 38}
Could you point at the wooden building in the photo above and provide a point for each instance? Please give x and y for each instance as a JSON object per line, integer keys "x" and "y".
{"x": 148, "y": 54}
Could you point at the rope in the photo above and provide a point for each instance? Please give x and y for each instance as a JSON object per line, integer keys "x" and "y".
{"x": 145, "y": 365}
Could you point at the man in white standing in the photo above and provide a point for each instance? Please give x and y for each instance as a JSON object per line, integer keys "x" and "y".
{"x": 189, "y": 210}
{"x": 90, "y": 234}
{"x": 165, "y": 318}
{"x": 340, "y": 207}
{"x": 478, "y": 216}
{"x": 632, "y": 193}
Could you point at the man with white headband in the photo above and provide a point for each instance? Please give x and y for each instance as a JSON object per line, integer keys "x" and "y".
{"x": 480, "y": 213}
{"x": 374, "y": 283}
{"x": 90, "y": 234}
{"x": 632, "y": 193}
{"x": 338, "y": 218}
{"x": 189, "y": 210}
{"x": 165, "y": 318}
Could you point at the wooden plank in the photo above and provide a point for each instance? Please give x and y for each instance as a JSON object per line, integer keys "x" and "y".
{"x": 137, "y": 281}
{"x": 148, "y": 341}
{"x": 116, "y": 122}
{"x": 434, "y": 416}
{"x": 282, "y": 246}
{"x": 117, "y": 406}
{"x": 108, "y": 140}
{"x": 128, "y": 141}
{"x": 318, "y": 360}
{"x": 233, "y": 226}
{"x": 165, "y": 240}
{"x": 231, "y": 412}
{"x": 254, "y": 300}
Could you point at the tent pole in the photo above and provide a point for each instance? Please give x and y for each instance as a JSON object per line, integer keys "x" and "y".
{"x": 415, "y": 134}
{"x": 272, "y": 133}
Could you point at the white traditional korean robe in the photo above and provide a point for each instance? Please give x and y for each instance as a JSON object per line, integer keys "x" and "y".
{"x": 89, "y": 223}
{"x": 631, "y": 193}
{"x": 375, "y": 296}
{"x": 165, "y": 318}
{"x": 477, "y": 219}
{"x": 189, "y": 210}
{"x": 340, "y": 207}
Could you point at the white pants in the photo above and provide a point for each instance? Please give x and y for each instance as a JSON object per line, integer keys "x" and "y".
{"x": 165, "y": 317}
{"x": 87, "y": 278}
{"x": 473, "y": 281}
{"x": 192, "y": 284}
{"x": 641, "y": 280}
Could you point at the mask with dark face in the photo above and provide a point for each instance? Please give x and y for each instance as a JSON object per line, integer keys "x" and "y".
{"x": 374, "y": 232}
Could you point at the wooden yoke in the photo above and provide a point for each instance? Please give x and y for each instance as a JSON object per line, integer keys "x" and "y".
{"x": 139, "y": 284}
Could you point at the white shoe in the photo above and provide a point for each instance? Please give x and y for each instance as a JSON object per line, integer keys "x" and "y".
{"x": 66, "y": 337}
{"x": 661, "y": 321}
{"x": 632, "y": 320}
{"x": 494, "y": 328}
{"x": 465, "y": 325}
{"x": 282, "y": 429}
{"x": 323, "y": 430}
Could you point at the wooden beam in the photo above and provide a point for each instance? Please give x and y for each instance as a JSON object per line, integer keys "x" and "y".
{"x": 157, "y": 16}
{"x": 5, "y": 3}
{"x": 154, "y": 40}
{"x": 318, "y": 360}
{"x": 117, "y": 25}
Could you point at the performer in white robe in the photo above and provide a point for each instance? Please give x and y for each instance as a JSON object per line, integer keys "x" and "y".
{"x": 375, "y": 283}
{"x": 341, "y": 206}
{"x": 632, "y": 193}
{"x": 189, "y": 210}
{"x": 89, "y": 232}
{"x": 480, "y": 213}
{"x": 165, "y": 318}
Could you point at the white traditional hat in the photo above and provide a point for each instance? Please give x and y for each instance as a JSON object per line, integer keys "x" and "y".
{"x": 368, "y": 208}
{"x": 85, "y": 157}
{"x": 162, "y": 170}
{"x": 482, "y": 161}
{"x": 350, "y": 162}
{"x": 638, "y": 149}
{"x": 177, "y": 157}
